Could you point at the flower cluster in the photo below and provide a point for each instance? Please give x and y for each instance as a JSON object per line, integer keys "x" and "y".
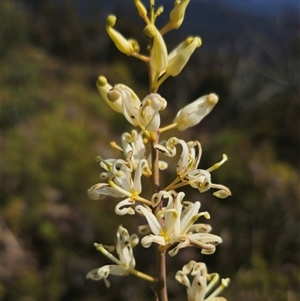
{"x": 201, "y": 287}
{"x": 171, "y": 220}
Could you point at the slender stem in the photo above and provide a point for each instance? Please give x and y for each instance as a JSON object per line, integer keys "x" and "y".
{"x": 161, "y": 288}
{"x": 151, "y": 11}
{"x": 168, "y": 127}
{"x": 161, "y": 281}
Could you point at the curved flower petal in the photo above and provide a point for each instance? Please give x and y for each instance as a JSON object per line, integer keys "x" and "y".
{"x": 149, "y": 239}
{"x": 122, "y": 207}
{"x": 149, "y": 111}
{"x": 151, "y": 219}
{"x": 130, "y": 102}
{"x": 124, "y": 247}
{"x": 101, "y": 190}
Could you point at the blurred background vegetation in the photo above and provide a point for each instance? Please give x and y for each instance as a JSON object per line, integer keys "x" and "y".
{"x": 54, "y": 124}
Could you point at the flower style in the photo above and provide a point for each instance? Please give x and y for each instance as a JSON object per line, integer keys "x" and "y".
{"x": 174, "y": 224}
{"x": 126, "y": 262}
{"x": 120, "y": 184}
{"x": 201, "y": 287}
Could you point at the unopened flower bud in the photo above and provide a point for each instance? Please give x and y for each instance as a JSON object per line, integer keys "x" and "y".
{"x": 180, "y": 56}
{"x": 130, "y": 102}
{"x": 140, "y": 8}
{"x": 159, "y": 53}
{"x": 104, "y": 88}
{"x": 159, "y": 11}
{"x": 124, "y": 45}
{"x": 193, "y": 113}
{"x": 177, "y": 14}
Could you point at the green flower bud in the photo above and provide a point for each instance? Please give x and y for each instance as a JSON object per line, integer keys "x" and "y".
{"x": 177, "y": 14}
{"x": 159, "y": 53}
{"x": 124, "y": 45}
{"x": 104, "y": 88}
{"x": 180, "y": 56}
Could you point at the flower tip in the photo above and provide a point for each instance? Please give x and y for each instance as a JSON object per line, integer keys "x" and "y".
{"x": 198, "y": 41}
{"x": 96, "y": 245}
{"x": 212, "y": 99}
{"x": 111, "y": 20}
{"x": 206, "y": 215}
{"x": 102, "y": 81}
{"x": 150, "y": 31}
{"x": 225, "y": 282}
{"x": 222, "y": 194}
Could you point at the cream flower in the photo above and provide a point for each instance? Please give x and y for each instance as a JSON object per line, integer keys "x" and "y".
{"x": 126, "y": 262}
{"x": 144, "y": 114}
{"x": 121, "y": 184}
{"x": 130, "y": 102}
{"x": 194, "y": 112}
{"x": 189, "y": 158}
{"x": 187, "y": 174}
{"x": 149, "y": 112}
{"x": 134, "y": 149}
{"x": 174, "y": 225}
{"x": 200, "y": 288}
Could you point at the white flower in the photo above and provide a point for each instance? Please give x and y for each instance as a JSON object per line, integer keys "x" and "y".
{"x": 121, "y": 184}
{"x": 144, "y": 114}
{"x": 194, "y": 112}
{"x": 189, "y": 158}
{"x": 187, "y": 174}
{"x": 126, "y": 262}
{"x": 130, "y": 102}
{"x": 133, "y": 143}
{"x": 149, "y": 112}
{"x": 202, "y": 284}
{"x": 174, "y": 225}
{"x": 134, "y": 149}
